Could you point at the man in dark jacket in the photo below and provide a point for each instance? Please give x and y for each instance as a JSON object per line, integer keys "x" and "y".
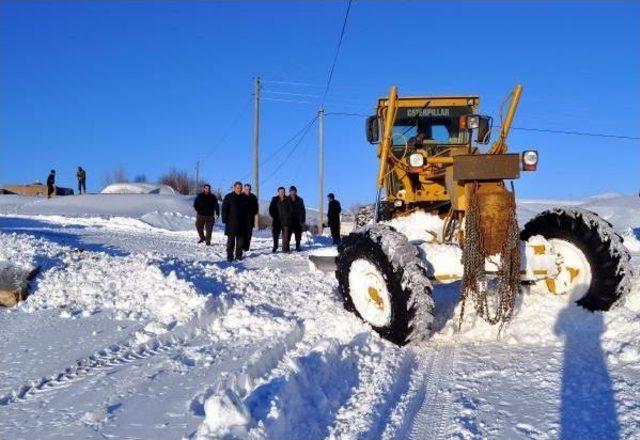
{"x": 279, "y": 212}
{"x": 252, "y": 210}
{"x": 236, "y": 221}
{"x": 51, "y": 182}
{"x": 207, "y": 209}
{"x": 82, "y": 180}
{"x": 333, "y": 218}
{"x": 297, "y": 216}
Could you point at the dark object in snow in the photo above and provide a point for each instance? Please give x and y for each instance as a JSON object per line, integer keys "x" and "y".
{"x": 14, "y": 284}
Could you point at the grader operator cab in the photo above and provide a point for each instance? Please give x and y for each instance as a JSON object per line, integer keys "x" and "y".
{"x": 431, "y": 160}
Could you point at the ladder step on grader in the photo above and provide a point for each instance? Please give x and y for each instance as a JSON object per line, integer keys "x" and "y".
{"x": 431, "y": 161}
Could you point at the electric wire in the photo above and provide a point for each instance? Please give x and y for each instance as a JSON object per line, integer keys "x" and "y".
{"x": 304, "y": 130}
{"x": 281, "y": 147}
{"x": 337, "y": 53}
{"x": 539, "y": 130}
{"x": 293, "y": 150}
{"x": 229, "y": 129}
{"x": 315, "y": 96}
{"x": 578, "y": 133}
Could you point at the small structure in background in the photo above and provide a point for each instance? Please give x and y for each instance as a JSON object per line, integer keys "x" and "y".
{"x": 34, "y": 190}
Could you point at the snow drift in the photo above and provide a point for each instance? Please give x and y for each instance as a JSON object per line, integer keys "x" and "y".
{"x": 138, "y": 188}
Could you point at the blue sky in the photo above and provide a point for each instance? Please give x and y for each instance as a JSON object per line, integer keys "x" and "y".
{"x": 148, "y": 86}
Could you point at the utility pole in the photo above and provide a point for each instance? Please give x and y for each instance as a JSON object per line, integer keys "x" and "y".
{"x": 256, "y": 131}
{"x": 197, "y": 176}
{"x": 320, "y": 169}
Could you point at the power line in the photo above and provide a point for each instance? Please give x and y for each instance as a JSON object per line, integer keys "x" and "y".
{"x": 290, "y": 101}
{"x": 292, "y": 83}
{"x": 335, "y": 57}
{"x": 578, "y": 133}
{"x": 307, "y": 95}
{"x": 347, "y": 114}
{"x": 540, "y": 130}
{"x": 293, "y": 149}
{"x": 304, "y": 129}
{"x": 297, "y": 101}
{"x": 279, "y": 92}
{"x": 229, "y": 129}
{"x": 280, "y": 148}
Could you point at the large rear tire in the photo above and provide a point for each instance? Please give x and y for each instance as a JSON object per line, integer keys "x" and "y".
{"x": 601, "y": 246}
{"x": 383, "y": 280}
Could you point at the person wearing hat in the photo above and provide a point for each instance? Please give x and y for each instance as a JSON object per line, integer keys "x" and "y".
{"x": 51, "y": 183}
{"x": 253, "y": 208}
{"x": 297, "y": 216}
{"x": 279, "y": 211}
{"x": 207, "y": 208}
{"x": 333, "y": 218}
{"x": 236, "y": 221}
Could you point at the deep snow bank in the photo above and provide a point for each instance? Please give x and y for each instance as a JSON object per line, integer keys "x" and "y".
{"x": 170, "y": 212}
{"x": 84, "y": 283}
{"x": 95, "y": 205}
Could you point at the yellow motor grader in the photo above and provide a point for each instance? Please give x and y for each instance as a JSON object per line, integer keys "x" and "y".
{"x": 432, "y": 160}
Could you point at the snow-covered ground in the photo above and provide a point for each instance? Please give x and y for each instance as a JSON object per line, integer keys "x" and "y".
{"x": 134, "y": 331}
{"x": 138, "y": 188}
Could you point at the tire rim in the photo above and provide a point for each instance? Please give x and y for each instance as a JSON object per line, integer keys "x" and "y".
{"x": 574, "y": 278}
{"x": 369, "y": 293}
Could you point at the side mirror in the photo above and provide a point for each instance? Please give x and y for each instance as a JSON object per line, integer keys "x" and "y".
{"x": 483, "y": 132}
{"x": 373, "y": 129}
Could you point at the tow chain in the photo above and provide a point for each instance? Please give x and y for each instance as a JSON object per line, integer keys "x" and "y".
{"x": 474, "y": 283}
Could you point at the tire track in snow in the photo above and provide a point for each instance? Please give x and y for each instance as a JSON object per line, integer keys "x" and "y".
{"x": 429, "y": 407}
{"x": 257, "y": 366}
{"x": 118, "y": 354}
{"x": 115, "y": 355}
{"x": 399, "y": 387}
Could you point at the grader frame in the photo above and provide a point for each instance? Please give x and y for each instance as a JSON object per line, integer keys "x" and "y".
{"x": 450, "y": 173}
{"x": 386, "y": 278}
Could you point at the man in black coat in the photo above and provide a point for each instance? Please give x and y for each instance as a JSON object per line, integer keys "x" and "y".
{"x": 297, "y": 216}
{"x": 333, "y": 218}
{"x": 51, "y": 182}
{"x": 279, "y": 212}
{"x": 82, "y": 180}
{"x": 252, "y": 211}
{"x": 207, "y": 209}
{"x": 236, "y": 221}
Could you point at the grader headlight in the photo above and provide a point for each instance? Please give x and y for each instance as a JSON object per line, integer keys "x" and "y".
{"x": 529, "y": 160}
{"x": 473, "y": 122}
{"x": 416, "y": 160}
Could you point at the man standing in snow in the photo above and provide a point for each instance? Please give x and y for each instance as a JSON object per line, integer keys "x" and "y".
{"x": 236, "y": 221}
{"x": 51, "y": 182}
{"x": 82, "y": 180}
{"x": 207, "y": 208}
{"x": 333, "y": 218}
{"x": 279, "y": 212}
{"x": 297, "y": 216}
{"x": 252, "y": 210}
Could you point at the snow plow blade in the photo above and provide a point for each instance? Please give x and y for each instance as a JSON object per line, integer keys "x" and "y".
{"x": 324, "y": 261}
